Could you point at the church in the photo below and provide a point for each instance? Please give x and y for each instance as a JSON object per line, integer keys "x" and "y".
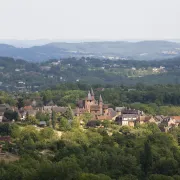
{"x": 96, "y": 108}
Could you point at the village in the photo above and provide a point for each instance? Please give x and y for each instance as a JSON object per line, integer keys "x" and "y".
{"x": 89, "y": 112}
{"x": 96, "y": 109}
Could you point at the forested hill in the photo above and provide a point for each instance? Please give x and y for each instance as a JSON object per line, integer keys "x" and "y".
{"x": 145, "y": 50}
{"x": 23, "y": 75}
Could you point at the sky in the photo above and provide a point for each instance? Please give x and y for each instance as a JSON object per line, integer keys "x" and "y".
{"x": 89, "y": 19}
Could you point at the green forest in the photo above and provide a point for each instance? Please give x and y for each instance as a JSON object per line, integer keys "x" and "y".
{"x": 20, "y": 75}
{"x": 113, "y": 152}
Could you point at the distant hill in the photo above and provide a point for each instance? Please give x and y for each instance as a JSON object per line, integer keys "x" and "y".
{"x": 144, "y": 50}
{"x": 20, "y": 75}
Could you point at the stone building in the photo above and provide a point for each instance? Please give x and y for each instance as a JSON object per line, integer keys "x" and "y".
{"x": 97, "y": 109}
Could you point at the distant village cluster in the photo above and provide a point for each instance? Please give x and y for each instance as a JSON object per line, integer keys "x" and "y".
{"x": 98, "y": 110}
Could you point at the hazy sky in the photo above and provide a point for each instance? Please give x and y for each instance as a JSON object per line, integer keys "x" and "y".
{"x": 90, "y": 19}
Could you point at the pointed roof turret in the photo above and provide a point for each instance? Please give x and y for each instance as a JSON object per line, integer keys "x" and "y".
{"x": 100, "y": 98}
{"x": 92, "y": 92}
{"x": 89, "y": 96}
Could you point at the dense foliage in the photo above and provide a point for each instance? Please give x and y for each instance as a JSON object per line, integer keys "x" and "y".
{"x": 154, "y": 100}
{"x": 140, "y": 153}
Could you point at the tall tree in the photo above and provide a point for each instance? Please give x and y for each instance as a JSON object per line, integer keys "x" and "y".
{"x": 20, "y": 103}
{"x": 54, "y": 120}
{"x": 146, "y": 159}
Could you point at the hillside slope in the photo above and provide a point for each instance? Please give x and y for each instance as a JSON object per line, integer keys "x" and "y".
{"x": 144, "y": 50}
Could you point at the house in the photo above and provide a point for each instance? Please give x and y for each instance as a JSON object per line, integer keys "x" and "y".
{"x": 145, "y": 119}
{"x": 47, "y": 109}
{"x": 165, "y": 123}
{"x": 24, "y": 113}
{"x": 57, "y": 109}
{"x": 175, "y": 120}
{"x": 119, "y": 110}
{"x": 162, "y": 118}
{"x": 27, "y": 108}
{"x": 31, "y": 112}
{"x": 127, "y": 119}
{"x": 112, "y": 113}
{"x": 130, "y": 117}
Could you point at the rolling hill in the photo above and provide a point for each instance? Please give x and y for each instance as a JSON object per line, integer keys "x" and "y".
{"x": 144, "y": 50}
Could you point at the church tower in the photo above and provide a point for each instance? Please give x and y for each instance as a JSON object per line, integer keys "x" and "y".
{"x": 88, "y": 102}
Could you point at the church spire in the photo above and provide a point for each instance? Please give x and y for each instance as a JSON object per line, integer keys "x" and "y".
{"x": 92, "y": 92}
{"x": 100, "y": 98}
{"x": 89, "y": 96}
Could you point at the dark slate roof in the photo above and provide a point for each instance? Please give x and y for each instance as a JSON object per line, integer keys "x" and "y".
{"x": 131, "y": 111}
{"x": 60, "y": 109}
{"x": 119, "y": 109}
{"x": 112, "y": 112}
{"x": 105, "y": 106}
{"x": 160, "y": 118}
{"x": 80, "y": 103}
{"x": 94, "y": 108}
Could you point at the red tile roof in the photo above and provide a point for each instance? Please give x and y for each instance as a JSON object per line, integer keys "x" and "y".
{"x": 176, "y": 117}
{"x": 28, "y": 108}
